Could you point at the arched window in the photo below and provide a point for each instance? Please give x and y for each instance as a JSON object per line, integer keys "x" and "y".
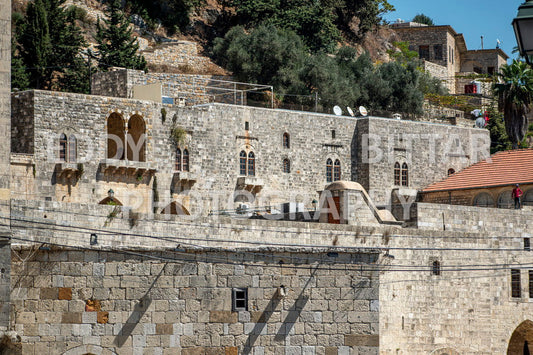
{"x": 451, "y": 171}
{"x": 63, "y": 147}
{"x": 329, "y": 170}
{"x": 286, "y": 140}
{"x": 506, "y": 200}
{"x": 251, "y": 164}
{"x": 337, "y": 171}
{"x": 483, "y": 199}
{"x": 405, "y": 175}
{"x": 527, "y": 200}
{"x": 397, "y": 174}
{"x": 185, "y": 160}
{"x": 178, "y": 160}
{"x": 136, "y": 138}
{"x": 116, "y": 141}
{"x": 436, "y": 268}
{"x": 242, "y": 163}
{"x": 72, "y": 149}
{"x": 286, "y": 166}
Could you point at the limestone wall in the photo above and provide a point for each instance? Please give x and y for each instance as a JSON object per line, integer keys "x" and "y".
{"x": 182, "y": 55}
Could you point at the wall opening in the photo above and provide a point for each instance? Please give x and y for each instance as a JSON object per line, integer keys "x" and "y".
{"x": 520, "y": 341}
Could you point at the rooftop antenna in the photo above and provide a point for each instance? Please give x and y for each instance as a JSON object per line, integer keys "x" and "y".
{"x": 337, "y": 110}
{"x": 481, "y": 42}
{"x": 498, "y": 42}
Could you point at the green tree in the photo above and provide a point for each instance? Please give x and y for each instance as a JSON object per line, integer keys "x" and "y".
{"x": 421, "y": 18}
{"x": 515, "y": 94}
{"x": 116, "y": 46}
{"x": 499, "y": 140}
{"x": 48, "y": 45}
{"x": 402, "y": 53}
{"x": 36, "y": 44}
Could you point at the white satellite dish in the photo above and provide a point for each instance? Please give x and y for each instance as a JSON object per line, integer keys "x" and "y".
{"x": 350, "y": 110}
{"x": 337, "y": 110}
{"x": 363, "y": 111}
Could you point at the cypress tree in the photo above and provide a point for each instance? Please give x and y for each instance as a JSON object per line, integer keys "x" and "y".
{"x": 116, "y": 45}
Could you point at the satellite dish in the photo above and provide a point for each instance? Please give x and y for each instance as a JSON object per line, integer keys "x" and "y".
{"x": 350, "y": 111}
{"x": 337, "y": 110}
{"x": 397, "y": 116}
{"x": 363, "y": 111}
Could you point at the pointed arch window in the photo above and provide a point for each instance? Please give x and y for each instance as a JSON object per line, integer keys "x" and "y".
{"x": 185, "y": 160}
{"x": 251, "y": 164}
{"x": 286, "y": 140}
{"x": 63, "y": 147}
{"x": 72, "y": 149}
{"x": 405, "y": 175}
{"x": 286, "y": 166}
{"x": 329, "y": 170}
{"x": 177, "y": 165}
{"x": 337, "y": 170}
{"x": 242, "y": 163}
{"x": 397, "y": 174}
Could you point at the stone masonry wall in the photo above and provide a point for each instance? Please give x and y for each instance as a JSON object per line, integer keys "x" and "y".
{"x": 182, "y": 54}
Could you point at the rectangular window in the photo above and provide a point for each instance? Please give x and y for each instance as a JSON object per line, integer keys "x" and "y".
{"x": 527, "y": 244}
{"x": 437, "y": 50}
{"x": 423, "y": 52}
{"x": 515, "y": 283}
{"x": 246, "y": 125}
{"x": 239, "y": 299}
{"x": 490, "y": 70}
{"x": 333, "y": 134}
{"x": 530, "y": 283}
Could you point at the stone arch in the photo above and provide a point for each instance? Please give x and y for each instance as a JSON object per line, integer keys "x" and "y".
{"x": 175, "y": 208}
{"x": 110, "y": 201}
{"x": 116, "y": 136}
{"x": 521, "y": 339}
{"x": 483, "y": 199}
{"x": 136, "y": 138}
{"x": 506, "y": 200}
{"x": 88, "y": 350}
{"x": 527, "y": 200}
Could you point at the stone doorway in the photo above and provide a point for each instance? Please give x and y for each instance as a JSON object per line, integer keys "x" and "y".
{"x": 521, "y": 339}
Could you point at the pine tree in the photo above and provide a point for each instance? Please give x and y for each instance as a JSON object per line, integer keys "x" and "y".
{"x": 116, "y": 45}
{"x": 36, "y": 45}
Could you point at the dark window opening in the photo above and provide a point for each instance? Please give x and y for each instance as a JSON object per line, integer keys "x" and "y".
{"x": 286, "y": 166}
{"x": 423, "y": 52}
{"x": 63, "y": 147}
{"x": 242, "y": 158}
{"x": 247, "y": 125}
{"x": 437, "y": 50}
{"x": 451, "y": 171}
{"x": 178, "y": 160}
{"x": 251, "y": 164}
{"x": 515, "y": 283}
{"x": 286, "y": 140}
{"x": 478, "y": 70}
{"x": 239, "y": 299}
{"x": 491, "y": 70}
{"x": 405, "y": 175}
{"x": 185, "y": 160}
{"x": 397, "y": 174}
{"x": 436, "y": 268}
{"x": 329, "y": 170}
{"x": 337, "y": 171}
{"x": 527, "y": 244}
{"x": 333, "y": 133}
{"x": 530, "y": 272}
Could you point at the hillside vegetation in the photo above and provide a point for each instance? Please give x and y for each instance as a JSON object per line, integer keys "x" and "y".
{"x": 321, "y": 49}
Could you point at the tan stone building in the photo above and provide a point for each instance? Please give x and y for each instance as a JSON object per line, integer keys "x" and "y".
{"x": 447, "y": 57}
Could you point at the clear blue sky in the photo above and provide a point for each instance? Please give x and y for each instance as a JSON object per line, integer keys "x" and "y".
{"x": 473, "y": 18}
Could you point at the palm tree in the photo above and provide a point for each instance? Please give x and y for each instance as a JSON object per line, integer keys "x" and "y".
{"x": 515, "y": 95}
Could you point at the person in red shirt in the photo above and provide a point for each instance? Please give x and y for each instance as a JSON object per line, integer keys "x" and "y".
{"x": 517, "y": 193}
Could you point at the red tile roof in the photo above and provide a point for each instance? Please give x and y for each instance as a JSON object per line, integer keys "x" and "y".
{"x": 503, "y": 168}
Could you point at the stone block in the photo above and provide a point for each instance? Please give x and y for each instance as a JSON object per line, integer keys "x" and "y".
{"x": 50, "y": 293}
{"x": 361, "y": 340}
{"x": 164, "y": 329}
{"x": 65, "y": 293}
{"x": 223, "y": 317}
{"x": 71, "y": 318}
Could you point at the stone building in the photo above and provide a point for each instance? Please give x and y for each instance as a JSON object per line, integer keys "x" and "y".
{"x": 488, "y": 183}
{"x": 447, "y": 57}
